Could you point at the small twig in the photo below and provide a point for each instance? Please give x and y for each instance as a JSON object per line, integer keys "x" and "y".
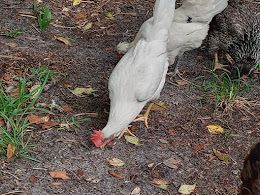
{"x": 12, "y": 57}
{"x": 13, "y": 192}
{"x": 87, "y": 113}
{"x": 35, "y": 28}
{"x": 11, "y": 175}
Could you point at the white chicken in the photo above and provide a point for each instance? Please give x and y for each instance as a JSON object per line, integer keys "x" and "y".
{"x": 140, "y": 75}
{"x": 189, "y": 28}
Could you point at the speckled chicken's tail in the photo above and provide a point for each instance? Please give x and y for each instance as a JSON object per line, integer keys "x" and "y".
{"x": 251, "y": 173}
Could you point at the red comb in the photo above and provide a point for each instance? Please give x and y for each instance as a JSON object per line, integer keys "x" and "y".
{"x": 97, "y": 138}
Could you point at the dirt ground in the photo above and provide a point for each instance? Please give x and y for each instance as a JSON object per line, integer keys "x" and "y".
{"x": 179, "y": 131}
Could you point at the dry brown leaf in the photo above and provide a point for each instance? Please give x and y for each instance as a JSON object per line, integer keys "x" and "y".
{"x": 59, "y": 175}
{"x": 182, "y": 82}
{"x": 49, "y": 124}
{"x": 2, "y": 122}
{"x": 160, "y": 182}
{"x": 67, "y": 109}
{"x": 37, "y": 119}
{"x": 33, "y": 179}
{"x": 172, "y": 163}
{"x": 56, "y": 184}
{"x": 80, "y": 172}
{"x": 115, "y": 174}
{"x": 198, "y": 147}
{"x": 10, "y": 151}
{"x": 221, "y": 156}
{"x": 63, "y": 40}
{"x": 116, "y": 162}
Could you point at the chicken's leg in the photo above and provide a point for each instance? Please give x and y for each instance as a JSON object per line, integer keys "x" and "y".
{"x": 219, "y": 66}
{"x": 144, "y": 118}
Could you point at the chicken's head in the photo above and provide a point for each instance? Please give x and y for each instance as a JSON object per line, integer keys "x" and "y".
{"x": 97, "y": 138}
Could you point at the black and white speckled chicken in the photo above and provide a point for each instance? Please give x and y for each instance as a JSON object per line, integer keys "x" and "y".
{"x": 236, "y": 33}
{"x": 251, "y": 173}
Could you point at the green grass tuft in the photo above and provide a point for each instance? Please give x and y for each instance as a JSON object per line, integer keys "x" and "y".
{"x": 44, "y": 15}
{"x": 14, "y": 112}
{"x": 13, "y": 33}
{"x": 223, "y": 89}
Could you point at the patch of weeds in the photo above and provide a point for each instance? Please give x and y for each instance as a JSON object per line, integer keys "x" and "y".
{"x": 224, "y": 90}
{"x": 41, "y": 72}
{"x": 44, "y": 15}
{"x": 14, "y": 111}
{"x": 73, "y": 123}
{"x": 13, "y": 33}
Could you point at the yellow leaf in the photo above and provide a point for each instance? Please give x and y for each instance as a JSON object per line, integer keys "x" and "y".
{"x": 63, "y": 40}
{"x": 76, "y": 2}
{"x": 35, "y": 91}
{"x": 187, "y": 189}
{"x": 109, "y": 15}
{"x": 132, "y": 140}
{"x": 80, "y": 91}
{"x": 116, "y": 162}
{"x": 10, "y": 151}
{"x": 221, "y": 156}
{"x": 87, "y": 26}
{"x": 182, "y": 82}
{"x": 215, "y": 129}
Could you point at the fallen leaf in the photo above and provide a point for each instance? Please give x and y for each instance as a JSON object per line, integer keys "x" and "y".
{"x": 182, "y": 82}
{"x": 187, "y": 189}
{"x": 67, "y": 109}
{"x": 160, "y": 106}
{"x": 215, "y": 129}
{"x": 163, "y": 186}
{"x": 109, "y": 15}
{"x": 198, "y": 147}
{"x": 2, "y": 122}
{"x": 150, "y": 165}
{"x": 35, "y": 89}
{"x": 163, "y": 141}
{"x": 116, "y": 162}
{"x": 80, "y": 172}
{"x": 115, "y": 174}
{"x": 221, "y": 156}
{"x": 33, "y": 179}
{"x": 12, "y": 45}
{"x": 87, "y": 26}
{"x": 80, "y": 91}
{"x": 59, "y": 175}
{"x": 132, "y": 140}
{"x": 63, "y": 40}
{"x": 56, "y": 184}
{"x": 160, "y": 182}
{"x": 49, "y": 124}
{"x": 10, "y": 151}
{"x": 76, "y": 2}
{"x": 136, "y": 191}
{"x": 37, "y": 119}
{"x": 172, "y": 163}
